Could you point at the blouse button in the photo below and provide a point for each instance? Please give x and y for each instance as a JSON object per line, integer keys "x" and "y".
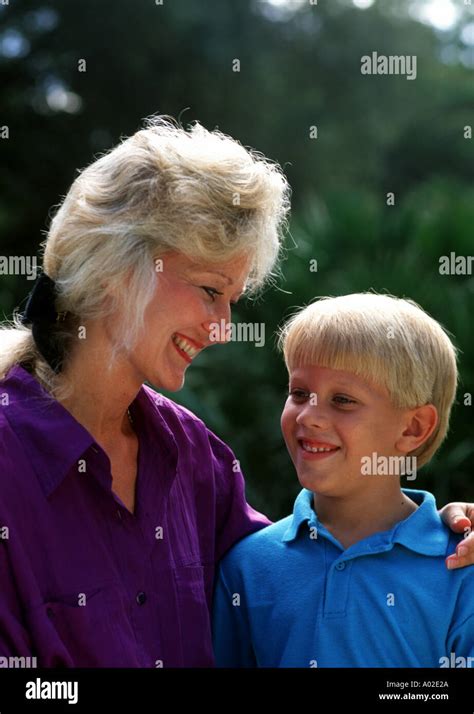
{"x": 340, "y": 566}
{"x": 141, "y": 598}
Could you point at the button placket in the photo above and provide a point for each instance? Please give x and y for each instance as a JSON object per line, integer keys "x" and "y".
{"x": 337, "y": 589}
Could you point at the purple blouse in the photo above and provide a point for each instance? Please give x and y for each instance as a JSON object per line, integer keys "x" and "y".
{"x": 83, "y": 582}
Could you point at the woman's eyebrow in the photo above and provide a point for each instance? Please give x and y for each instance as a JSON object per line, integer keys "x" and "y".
{"x": 205, "y": 271}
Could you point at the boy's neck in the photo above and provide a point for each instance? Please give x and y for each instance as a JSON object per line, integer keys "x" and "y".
{"x": 352, "y": 518}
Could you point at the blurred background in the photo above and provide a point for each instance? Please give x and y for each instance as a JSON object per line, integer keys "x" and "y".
{"x": 344, "y": 139}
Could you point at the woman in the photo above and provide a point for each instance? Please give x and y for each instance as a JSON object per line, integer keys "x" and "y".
{"x": 115, "y": 502}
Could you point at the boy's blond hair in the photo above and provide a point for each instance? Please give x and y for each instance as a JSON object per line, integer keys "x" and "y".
{"x": 385, "y": 340}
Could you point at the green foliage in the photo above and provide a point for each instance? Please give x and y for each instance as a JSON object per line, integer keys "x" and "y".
{"x": 299, "y": 69}
{"x": 359, "y": 244}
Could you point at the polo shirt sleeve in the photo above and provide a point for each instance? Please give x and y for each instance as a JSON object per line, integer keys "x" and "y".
{"x": 231, "y": 631}
{"x": 14, "y": 638}
{"x": 460, "y": 640}
{"x": 235, "y": 518}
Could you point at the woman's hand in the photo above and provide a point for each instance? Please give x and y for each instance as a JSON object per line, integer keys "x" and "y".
{"x": 460, "y": 518}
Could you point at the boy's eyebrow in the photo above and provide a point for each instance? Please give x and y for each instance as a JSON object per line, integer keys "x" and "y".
{"x": 350, "y": 385}
{"x": 342, "y": 383}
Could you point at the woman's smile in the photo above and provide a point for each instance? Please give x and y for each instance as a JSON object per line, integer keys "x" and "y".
{"x": 185, "y": 347}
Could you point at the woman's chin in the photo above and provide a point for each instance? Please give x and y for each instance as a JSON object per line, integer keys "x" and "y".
{"x": 168, "y": 383}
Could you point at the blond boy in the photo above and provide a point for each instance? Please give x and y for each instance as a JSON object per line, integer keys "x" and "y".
{"x": 355, "y": 577}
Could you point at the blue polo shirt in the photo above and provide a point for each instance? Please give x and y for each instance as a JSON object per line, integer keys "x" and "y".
{"x": 291, "y": 596}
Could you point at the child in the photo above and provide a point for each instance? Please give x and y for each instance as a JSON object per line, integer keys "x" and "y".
{"x": 355, "y": 577}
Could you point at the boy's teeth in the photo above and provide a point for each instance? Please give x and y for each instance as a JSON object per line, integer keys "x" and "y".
{"x": 185, "y": 346}
{"x": 315, "y": 449}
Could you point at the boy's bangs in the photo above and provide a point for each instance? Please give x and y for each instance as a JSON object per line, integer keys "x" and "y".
{"x": 328, "y": 342}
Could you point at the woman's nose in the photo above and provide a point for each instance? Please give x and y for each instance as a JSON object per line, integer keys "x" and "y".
{"x": 219, "y": 328}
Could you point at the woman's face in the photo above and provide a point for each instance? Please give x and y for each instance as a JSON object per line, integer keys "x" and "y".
{"x": 189, "y": 297}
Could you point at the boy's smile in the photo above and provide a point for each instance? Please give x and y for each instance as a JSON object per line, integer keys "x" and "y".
{"x": 332, "y": 419}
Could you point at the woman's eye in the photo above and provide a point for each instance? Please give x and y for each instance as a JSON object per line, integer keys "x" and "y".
{"x": 298, "y": 395}
{"x": 342, "y": 400}
{"x": 212, "y": 292}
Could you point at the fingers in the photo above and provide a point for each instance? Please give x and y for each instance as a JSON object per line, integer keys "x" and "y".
{"x": 460, "y": 524}
{"x": 464, "y": 553}
{"x": 458, "y": 516}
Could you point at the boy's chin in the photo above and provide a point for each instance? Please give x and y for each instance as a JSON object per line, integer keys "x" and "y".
{"x": 318, "y": 484}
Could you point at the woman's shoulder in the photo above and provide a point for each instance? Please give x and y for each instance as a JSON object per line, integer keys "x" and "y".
{"x": 168, "y": 409}
{"x": 7, "y": 436}
{"x": 184, "y": 425}
{"x": 165, "y": 403}
{"x": 170, "y": 416}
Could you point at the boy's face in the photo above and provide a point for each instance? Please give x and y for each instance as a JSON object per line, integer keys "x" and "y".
{"x": 338, "y": 411}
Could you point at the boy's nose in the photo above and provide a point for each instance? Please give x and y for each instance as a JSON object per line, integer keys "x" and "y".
{"x": 313, "y": 416}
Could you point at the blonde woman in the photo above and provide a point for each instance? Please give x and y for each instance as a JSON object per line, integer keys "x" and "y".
{"x": 115, "y": 502}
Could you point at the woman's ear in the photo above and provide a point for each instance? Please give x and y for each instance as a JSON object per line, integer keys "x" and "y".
{"x": 419, "y": 425}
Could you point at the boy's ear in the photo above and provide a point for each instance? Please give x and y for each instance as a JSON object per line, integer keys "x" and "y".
{"x": 419, "y": 425}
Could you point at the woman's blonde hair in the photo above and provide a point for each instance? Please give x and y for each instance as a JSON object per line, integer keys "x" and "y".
{"x": 385, "y": 340}
{"x": 197, "y": 192}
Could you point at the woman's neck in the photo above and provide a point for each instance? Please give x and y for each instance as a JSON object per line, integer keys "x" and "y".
{"x": 100, "y": 390}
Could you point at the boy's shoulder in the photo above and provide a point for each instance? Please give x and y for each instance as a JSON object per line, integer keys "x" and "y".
{"x": 269, "y": 546}
{"x": 425, "y": 531}
{"x": 257, "y": 547}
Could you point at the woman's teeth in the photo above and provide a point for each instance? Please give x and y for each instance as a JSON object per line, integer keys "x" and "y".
{"x": 185, "y": 346}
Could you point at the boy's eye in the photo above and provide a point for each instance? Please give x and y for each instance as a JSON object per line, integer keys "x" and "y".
{"x": 212, "y": 292}
{"x": 343, "y": 400}
{"x": 298, "y": 395}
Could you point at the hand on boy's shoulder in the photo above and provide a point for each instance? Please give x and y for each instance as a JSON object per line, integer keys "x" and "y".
{"x": 459, "y": 517}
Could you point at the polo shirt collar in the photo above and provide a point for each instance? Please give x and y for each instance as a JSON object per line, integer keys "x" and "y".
{"x": 302, "y": 513}
{"x": 422, "y": 532}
